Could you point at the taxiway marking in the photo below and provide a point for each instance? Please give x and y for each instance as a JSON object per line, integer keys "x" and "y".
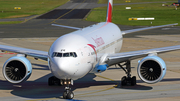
{"x": 67, "y": 12}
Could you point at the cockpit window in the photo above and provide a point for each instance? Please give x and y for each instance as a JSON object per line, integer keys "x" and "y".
{"x": 65, "y": 54}
{"x": 75, "y": 55}
{"x": 55, "y": 54}
{"x": 59, "y": 54}
{"x": 71, "y": 54}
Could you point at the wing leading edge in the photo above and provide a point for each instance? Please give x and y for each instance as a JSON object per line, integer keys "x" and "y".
{"x": 122, "y": 57}
{"x": 30, "y": 52}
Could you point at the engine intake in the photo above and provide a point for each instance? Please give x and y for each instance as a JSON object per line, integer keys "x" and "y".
{"x": 17, "y": 69}
{"x": 151, "y": 69}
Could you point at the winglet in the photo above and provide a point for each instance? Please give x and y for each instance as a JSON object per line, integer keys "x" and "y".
{"x": 109, "y": 11}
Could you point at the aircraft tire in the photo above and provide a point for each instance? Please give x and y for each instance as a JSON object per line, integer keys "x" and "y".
{"x": 123, "y": 81}
{"x": 50, "y": 81}
{"x": 65, "y": 95}
{"x": 70, "y": 95}
{"x": 133, "y": 81}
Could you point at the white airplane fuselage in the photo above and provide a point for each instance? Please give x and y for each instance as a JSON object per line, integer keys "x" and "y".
{"x": 84, "y": 47}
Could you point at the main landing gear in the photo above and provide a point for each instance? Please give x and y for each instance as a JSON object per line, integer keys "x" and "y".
{"x": 54, "y": 81}
{"x": 127, "y": 80}
{"x": 68, "y": 94}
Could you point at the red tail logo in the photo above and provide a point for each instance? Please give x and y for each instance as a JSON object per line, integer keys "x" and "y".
{"x": 109, "y": 11}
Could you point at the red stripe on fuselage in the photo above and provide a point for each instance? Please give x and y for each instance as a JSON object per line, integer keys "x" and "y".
{"x": 93, "y": 47}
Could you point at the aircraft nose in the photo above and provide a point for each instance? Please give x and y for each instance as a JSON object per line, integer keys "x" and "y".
{"x": 64, "y": 66}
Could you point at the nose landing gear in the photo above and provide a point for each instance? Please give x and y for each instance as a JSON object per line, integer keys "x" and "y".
{"x": 68, "y": 94}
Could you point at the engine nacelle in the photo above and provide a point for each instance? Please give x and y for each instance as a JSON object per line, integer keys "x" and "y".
{"x": 17, "y": 69}
{"x": 151, "y": 69}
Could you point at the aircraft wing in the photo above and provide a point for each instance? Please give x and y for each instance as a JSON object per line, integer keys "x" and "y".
{"x": 146, "y": 28}
{"x": 122, "y": 57}
{"x": 30, "y": 52}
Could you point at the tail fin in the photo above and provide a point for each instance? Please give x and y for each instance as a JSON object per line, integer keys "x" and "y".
{"x": 109, "y": 11}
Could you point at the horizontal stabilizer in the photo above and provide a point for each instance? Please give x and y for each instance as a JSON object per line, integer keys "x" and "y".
{"x": 66, "y": 26}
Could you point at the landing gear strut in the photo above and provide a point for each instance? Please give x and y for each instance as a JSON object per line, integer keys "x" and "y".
{"x": 127, "y": 80}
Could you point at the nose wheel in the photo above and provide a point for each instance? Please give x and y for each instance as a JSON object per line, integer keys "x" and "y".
{"x": 68, "y": 94}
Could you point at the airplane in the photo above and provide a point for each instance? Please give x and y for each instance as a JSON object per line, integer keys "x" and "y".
{"x": 88, "y": 50}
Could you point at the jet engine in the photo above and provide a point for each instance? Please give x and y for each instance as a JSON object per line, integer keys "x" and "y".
{"x": 17, "y": 69}
{"x": 151, "y": 69}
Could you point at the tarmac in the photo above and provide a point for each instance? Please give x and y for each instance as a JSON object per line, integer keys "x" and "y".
{"x": 39, "y": 34}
